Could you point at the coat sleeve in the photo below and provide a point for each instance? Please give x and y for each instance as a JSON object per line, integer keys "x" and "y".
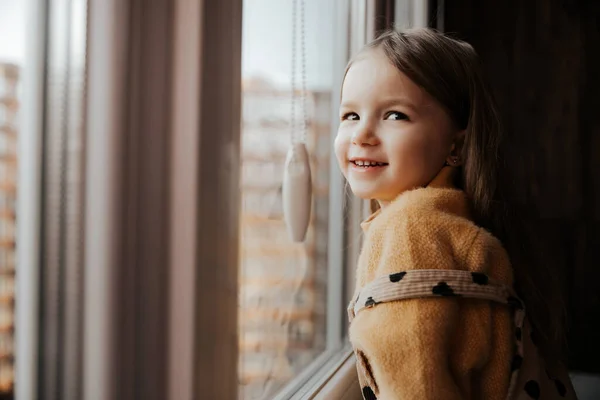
{"x": 434, "y": 348}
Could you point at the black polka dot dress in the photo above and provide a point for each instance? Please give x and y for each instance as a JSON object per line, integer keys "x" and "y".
{"x": 530, "y": 378}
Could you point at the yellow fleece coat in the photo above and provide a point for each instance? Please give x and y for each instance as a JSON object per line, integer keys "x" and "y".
{"x": 433, "y": 348}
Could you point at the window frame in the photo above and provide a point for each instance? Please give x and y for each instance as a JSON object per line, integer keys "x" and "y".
{"x": 210, "y": 67}
{"x": 159, "y": 87}
{"x": 29, "y": 204}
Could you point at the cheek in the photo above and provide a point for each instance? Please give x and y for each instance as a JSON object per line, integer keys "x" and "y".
{"x": 409, "y": 147}
{"x": 418, "y": 152}
{"x": 340, "y": 145}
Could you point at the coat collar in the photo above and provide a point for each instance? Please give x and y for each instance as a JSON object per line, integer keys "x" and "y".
{"x": 440, "y": 194}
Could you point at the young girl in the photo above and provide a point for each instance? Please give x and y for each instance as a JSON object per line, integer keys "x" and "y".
{"x": 434, "y": 315}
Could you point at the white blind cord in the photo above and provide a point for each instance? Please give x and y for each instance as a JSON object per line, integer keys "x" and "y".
{"x": 297, "y": 185}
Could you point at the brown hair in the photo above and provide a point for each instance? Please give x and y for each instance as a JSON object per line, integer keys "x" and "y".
{"x": 450, "y": 71}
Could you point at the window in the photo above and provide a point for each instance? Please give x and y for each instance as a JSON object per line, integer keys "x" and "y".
{"x": 283, "y": 317}
{"x": 130, "y": 281}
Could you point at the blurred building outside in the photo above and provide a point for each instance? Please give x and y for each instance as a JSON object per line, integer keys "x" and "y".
{"x": 283, "y": 284}
{"x": 9, "y": 107}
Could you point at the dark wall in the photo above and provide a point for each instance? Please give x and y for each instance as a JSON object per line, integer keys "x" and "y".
{"x": 542, "y": 59}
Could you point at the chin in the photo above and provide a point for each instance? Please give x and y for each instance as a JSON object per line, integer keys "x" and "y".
{"x": 363, "y": 196}
{"x": 363, "y": 192}
{"x": 366, "y": 193}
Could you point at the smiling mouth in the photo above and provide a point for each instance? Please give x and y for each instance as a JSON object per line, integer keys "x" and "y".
{"x": 367, "y": 164}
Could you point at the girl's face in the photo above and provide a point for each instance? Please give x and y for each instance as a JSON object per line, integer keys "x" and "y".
{"x": 393, "y": 136}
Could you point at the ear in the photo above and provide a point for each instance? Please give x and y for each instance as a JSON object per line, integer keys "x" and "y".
{"x": 455, "y": 158}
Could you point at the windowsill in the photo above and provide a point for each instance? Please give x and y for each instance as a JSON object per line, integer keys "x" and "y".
{"x": 341, "y": 383}
{"x": 331, "y": 376}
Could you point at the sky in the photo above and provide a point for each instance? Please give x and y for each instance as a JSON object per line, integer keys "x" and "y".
{"x": 12, "y": 31}
{"x": 266, "y": 40}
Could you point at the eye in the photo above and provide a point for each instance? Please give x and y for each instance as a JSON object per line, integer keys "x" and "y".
{"x": 396, "y": 116}
{"x": 351, "y": 116}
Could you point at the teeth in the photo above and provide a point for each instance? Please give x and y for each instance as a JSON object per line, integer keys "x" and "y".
{"x": 368, "y": 163}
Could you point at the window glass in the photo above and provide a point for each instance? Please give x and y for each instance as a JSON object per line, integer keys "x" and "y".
{"x": 12, "y": 54}
{"x": 283, "y": 285}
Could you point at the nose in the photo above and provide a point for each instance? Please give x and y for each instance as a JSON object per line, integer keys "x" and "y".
{"x": 364, "y": 135}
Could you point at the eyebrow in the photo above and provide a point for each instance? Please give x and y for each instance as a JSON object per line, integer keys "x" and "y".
{"x": 394, "y": 101}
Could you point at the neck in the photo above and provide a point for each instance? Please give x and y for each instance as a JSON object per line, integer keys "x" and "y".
{"x": 444, "y": 179}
